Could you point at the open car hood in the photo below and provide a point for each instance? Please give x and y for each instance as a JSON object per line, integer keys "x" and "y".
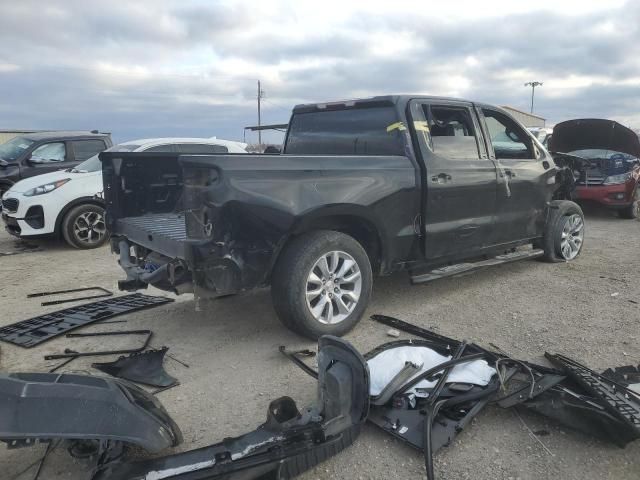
{"x": 594, "y": 133}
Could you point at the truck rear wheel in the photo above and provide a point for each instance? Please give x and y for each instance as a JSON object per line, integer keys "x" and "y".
{"x": 564, "y": 235}
{"x": 321, "y": 284}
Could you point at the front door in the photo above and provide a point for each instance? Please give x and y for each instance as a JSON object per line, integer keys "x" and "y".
{"x": 45, "y": 158}
{"x": 523, "y": 175}
{"x": 459, "y": 179}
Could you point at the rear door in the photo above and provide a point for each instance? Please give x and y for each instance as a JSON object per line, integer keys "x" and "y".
{"x": 523, "y": 174}
{"x": 460, "y": 180}
{"x": 85, "y": 149}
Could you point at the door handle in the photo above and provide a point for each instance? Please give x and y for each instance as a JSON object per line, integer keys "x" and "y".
{"x": 510, "y": 173}
{"x": 441, "y": 178}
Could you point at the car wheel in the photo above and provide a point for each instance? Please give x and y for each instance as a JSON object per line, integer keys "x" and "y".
{"x": 321, "y": 284}
{"x": 564, "y": 234}
{"x": 633, "y": 210}
{"x": 84, "y": 227}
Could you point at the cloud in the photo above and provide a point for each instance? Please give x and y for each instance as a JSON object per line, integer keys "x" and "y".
{"x": 151, "y": 68}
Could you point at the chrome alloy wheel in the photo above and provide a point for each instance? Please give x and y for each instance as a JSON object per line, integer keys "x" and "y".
{"x": 572, "y": 236}
{"x": 333, "y": 289}
{"x": 89, "y": 228}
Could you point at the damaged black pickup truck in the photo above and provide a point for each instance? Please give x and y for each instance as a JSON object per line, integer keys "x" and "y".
{"x": 429, "y": 185}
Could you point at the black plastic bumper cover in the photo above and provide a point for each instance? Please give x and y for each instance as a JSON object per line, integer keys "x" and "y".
{"x": 47, "y": 406}
{"x": 288, "y": 443}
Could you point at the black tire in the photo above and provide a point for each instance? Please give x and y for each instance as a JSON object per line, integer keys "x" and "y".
{"x": 632, "y": 211}
{"x": 290, "y": 277}
{"x": 76, "y": 238}
{"x": 559, "y": 213}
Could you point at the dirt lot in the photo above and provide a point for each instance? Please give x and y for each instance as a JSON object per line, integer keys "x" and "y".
{"x": 235, "y": 369}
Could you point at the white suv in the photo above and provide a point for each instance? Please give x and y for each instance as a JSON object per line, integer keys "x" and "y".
{"x": 69, "y": 202}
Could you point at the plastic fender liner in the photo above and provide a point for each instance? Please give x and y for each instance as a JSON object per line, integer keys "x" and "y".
{"x": 47, "y": 406}
{"x": 288, "y": 443}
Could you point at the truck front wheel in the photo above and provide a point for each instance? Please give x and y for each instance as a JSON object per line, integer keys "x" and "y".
{"x": 564, "y": 233}
{"x": 321, "y": 284}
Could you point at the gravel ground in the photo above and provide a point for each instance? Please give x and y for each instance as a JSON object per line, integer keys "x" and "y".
{"x": 235, "y": 369}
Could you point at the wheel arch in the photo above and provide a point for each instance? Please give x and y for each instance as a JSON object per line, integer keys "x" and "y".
{"x": 356, "y": 222}
{"x": 74, "y": 203}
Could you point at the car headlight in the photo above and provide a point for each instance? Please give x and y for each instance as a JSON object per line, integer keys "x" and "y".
{"x": 46, "y": 188}
{"x": 616, "y": 179}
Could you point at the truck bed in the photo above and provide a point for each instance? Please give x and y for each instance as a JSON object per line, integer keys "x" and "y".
{"x": 164, "y": 233}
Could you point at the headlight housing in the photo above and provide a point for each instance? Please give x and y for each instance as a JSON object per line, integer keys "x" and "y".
{"x": 617, "y": 179}
{"x": 46, "y": 188}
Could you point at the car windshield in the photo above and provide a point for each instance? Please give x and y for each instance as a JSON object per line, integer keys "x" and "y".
{"x": 12, "y": 149}
{"x": 92, "y": 164}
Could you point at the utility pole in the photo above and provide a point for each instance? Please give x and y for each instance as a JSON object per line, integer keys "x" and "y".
{"x": 533, "y": 86}
{"x": 260, "y": 95}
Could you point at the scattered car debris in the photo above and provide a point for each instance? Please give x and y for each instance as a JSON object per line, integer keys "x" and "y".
{"x": 288, "y": 443}
{"x": 143, "y": 367}
{"x": 295, "y": 358}
{"x": 101, "y": 413}
{"x": 74, "y": 354}
{"x": 34, "y": 331}
{"x": 392, "y": 332}
{"x": 105, "y": 293}
{"x": 425, "y": 391}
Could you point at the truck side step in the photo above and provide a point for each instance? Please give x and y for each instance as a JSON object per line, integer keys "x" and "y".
{"x": 461, "y": 268}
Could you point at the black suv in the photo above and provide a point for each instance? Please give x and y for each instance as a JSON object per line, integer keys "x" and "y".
{"x": 42, "y": 152}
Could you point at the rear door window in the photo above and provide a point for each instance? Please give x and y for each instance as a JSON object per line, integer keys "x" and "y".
{"x": 161, "y": 149}
{"x": 452, "y": 132}
{"x": 201, "y": 148}
{"x": 50, "y": 152}
{"x": 84, "y": 149}
{"x": 350, "y": 131}
{"x": 508, "y": 139}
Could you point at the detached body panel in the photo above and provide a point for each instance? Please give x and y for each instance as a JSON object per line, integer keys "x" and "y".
{"x": 47, "y": 406}
{"x": 288, "y": 443}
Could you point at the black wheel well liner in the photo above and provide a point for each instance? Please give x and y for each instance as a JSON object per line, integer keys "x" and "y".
{"x": 361, "y": 229}
{"x": 72, "y": 204}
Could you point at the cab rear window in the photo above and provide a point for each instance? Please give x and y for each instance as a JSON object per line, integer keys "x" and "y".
{"x": 355, "y": 131}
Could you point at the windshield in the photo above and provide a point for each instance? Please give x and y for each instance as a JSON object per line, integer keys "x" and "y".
{"x": 12, "y": 149}
{"x": 92, "y": 164}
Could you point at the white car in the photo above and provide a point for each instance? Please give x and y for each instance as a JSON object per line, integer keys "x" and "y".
{"x": 69, "y": 202}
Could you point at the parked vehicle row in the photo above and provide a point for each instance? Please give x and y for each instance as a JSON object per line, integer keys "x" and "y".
{"x": 69, "y": 202}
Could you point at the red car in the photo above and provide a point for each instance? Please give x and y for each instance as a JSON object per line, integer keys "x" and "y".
{"x": 607, "y": 159}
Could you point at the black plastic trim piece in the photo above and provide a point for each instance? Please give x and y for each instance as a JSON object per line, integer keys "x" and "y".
{"x": 36, "y": 330}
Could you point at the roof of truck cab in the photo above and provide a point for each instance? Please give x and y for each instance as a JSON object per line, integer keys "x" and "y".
{"x": 63, "y": 134}
{"x": 381, "y": 100}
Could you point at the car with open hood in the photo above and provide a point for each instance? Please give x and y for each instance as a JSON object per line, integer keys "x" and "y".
{"x": 606, "y": 156}
{"x": 69, "y": 202}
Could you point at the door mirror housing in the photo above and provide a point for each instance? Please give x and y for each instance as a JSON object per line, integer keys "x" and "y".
{"x": 34, "y": 160}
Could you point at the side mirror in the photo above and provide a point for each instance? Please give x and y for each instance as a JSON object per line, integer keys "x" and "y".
{"x": 36, "y": 160}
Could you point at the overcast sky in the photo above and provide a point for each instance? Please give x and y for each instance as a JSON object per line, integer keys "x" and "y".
{"x": 189, "y": 68}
